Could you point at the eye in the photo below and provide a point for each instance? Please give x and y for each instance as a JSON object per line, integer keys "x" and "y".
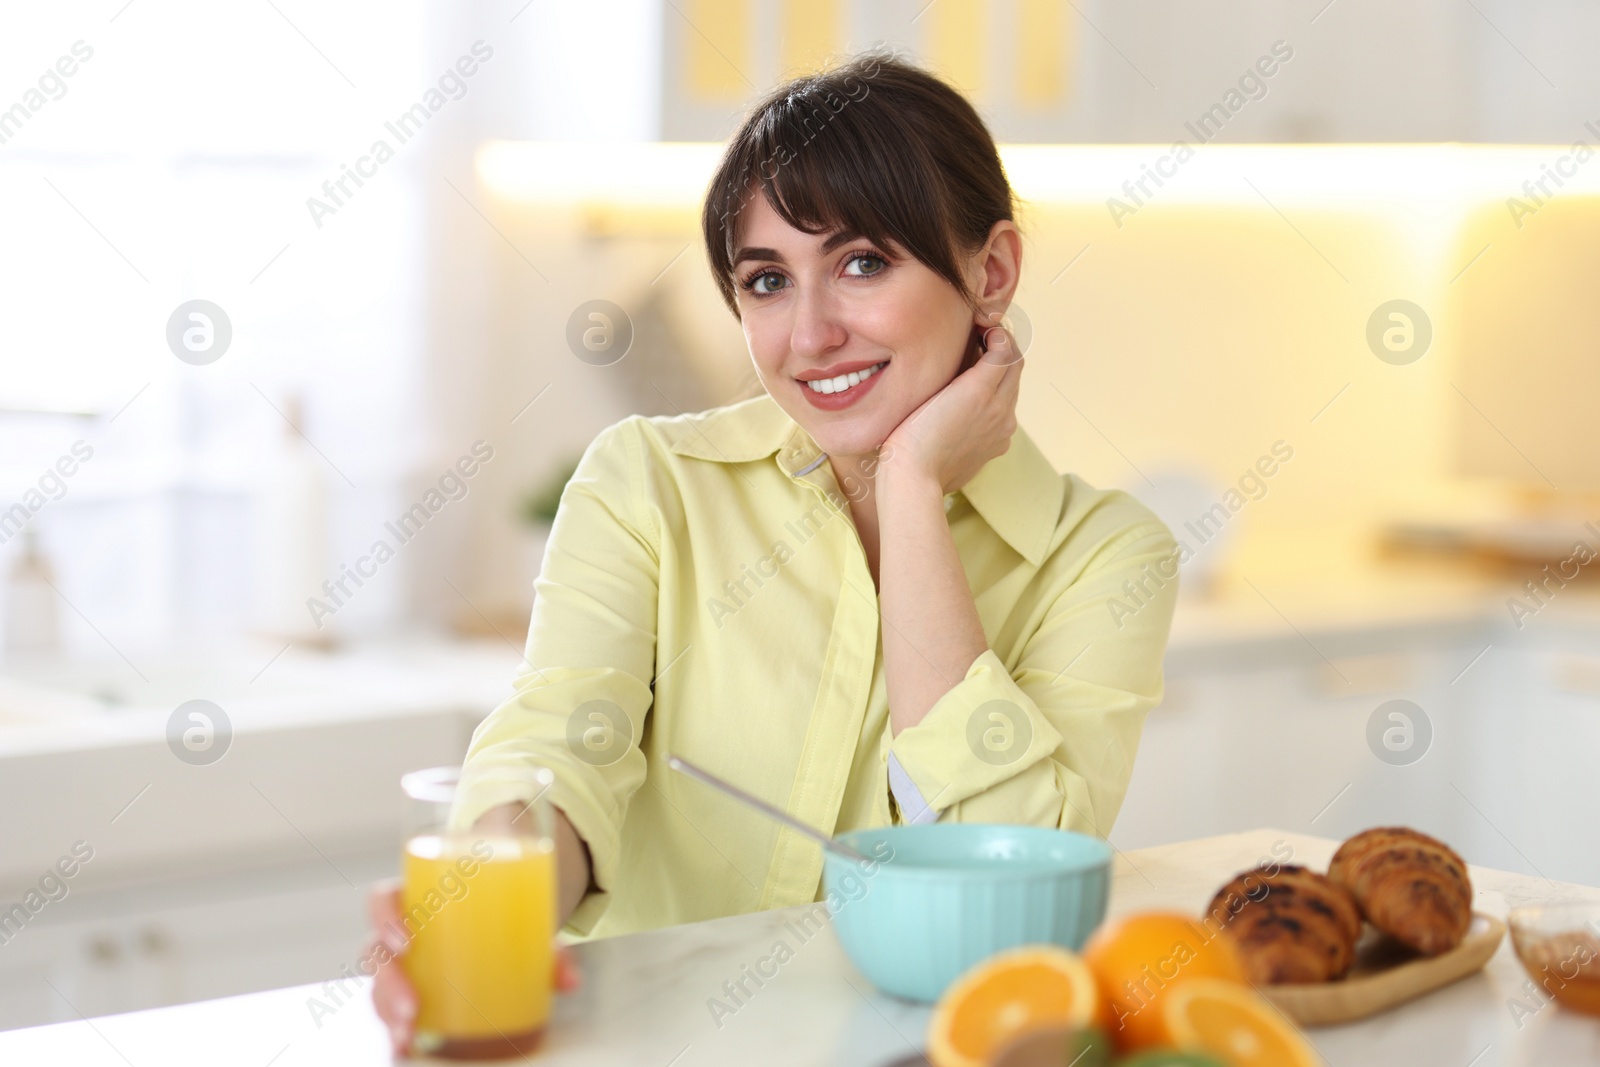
{"x": 756, "y": 282}
{"x": 865, "y": 264}
{"x": 766, "y": 283}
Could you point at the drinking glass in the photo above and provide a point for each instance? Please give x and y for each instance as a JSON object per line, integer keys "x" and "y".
{"x": 479, "y": 904}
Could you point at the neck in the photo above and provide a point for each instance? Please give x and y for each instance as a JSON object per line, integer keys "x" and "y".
{"x": 855, "y": 475}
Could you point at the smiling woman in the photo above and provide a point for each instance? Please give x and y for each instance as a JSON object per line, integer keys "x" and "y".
{"x": 922, "y": 634}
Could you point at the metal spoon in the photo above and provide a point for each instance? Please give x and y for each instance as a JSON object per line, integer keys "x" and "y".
{"x": 838, "y": 848}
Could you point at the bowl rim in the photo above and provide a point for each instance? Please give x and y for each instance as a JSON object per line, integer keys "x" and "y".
{"x": 1087, "y": 866}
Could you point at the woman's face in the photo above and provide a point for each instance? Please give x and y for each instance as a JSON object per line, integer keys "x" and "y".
{"x": 817, "y": 306}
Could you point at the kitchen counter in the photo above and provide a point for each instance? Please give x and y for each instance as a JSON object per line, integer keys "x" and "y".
{"x": 645, "y": 997}
{"x": 71, "y": 703}
{"x": 310, "y": 746}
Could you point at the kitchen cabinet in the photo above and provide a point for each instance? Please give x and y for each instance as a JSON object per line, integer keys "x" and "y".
{"x": 195, "y": 940}
{"x": 244, "y": 874}
{"x": 1508, "y": 776}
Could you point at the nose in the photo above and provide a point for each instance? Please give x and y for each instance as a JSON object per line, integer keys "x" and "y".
{"x": 816, "y": 328}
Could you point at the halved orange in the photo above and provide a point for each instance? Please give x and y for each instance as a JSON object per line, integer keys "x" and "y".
{"x": 1008, "y": 994}
{"x": 1235, "y": 1024}
{"x": 1138, "y": 959}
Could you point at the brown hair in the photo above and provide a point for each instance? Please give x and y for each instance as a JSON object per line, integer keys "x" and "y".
{"x": 875, "y": 147}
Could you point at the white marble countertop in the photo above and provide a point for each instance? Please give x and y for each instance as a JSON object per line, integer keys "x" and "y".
{"x": 644, "y": 998}
{"x": 71, "y": 704}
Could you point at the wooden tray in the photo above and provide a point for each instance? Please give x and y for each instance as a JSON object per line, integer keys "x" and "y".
{"x": 1386, "y": 974}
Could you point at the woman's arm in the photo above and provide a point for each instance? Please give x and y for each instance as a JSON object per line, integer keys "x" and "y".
{"x": 975, "y": 739}
{"x": 931, "y": 630}
{"x": 582, "y": 699}
{"x": 572, "y": 868}
{"x": 572, "y": 855}
{"x": 1048, "y": 736}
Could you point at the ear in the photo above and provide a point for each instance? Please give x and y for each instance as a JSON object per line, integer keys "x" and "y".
{"x": 996, "y": 268}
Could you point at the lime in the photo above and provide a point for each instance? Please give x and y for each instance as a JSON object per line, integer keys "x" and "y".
{"x": 1089, "y": 1047}
{"x": 1169, "y": 1058}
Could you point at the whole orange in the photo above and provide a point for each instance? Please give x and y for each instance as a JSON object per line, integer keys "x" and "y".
{"x": 1137, "y": 959}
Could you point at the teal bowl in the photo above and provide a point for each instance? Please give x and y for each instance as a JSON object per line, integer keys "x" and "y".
{"x": 940, "y": 897}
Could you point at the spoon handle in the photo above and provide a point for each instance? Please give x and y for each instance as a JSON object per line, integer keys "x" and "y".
{"x": 838, "y": 848}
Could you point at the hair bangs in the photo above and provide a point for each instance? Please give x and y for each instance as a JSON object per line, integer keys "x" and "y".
{"x": 875, "y": 149}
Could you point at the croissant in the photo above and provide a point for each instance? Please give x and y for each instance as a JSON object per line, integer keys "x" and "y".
{"x": 1289, "y": 924}
{"x": 1407, "y": 884}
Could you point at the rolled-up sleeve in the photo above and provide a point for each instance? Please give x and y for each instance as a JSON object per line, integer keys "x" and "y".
{"x": 584, "y": 689}
{"x": 1051, "y": 742}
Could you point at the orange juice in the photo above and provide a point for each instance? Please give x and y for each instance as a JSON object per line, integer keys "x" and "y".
{"x": 481, "y": 911}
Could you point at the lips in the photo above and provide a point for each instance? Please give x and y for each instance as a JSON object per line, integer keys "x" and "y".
{"x": 855, "y": 382}
{"x": 844, "y": 380}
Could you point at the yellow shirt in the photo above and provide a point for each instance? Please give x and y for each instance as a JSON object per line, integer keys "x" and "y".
{"x": 704, "y": 593}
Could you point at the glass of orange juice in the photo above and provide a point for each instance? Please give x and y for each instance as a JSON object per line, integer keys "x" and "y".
{"x": 479, "y": 903}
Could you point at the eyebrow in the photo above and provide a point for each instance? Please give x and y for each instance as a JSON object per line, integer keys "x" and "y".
{"x": 839, "y": 238}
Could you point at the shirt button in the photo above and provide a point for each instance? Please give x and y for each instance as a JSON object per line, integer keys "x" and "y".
{"x": 949, "y": 501}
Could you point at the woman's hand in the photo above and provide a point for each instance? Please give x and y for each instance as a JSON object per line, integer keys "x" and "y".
{"x": 393, "y": 995}
{"x": 956, "y": 431}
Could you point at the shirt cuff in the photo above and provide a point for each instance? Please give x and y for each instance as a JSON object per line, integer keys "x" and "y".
{"x": 914, "y": 810}
{"x": 583, "y": 807}
{"x": 980, "y": 733}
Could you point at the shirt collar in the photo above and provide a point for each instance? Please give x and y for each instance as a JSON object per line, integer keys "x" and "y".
{"x": 1018, "y": 493}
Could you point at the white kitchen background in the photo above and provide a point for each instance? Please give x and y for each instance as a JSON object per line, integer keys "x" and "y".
{"x": 178, "y": 162}
{"x": 176, "y": 165}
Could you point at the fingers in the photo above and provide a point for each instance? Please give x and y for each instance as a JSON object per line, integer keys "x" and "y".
{"x": 1003, "y": 355}
{"x": 395, "y": 1001}
{"x": 1000, "y": 348}
{"x": 393, "y": 996}
{"x": 1011, "y": 381}
{"x": 1003, "y": 352}
{"x": 383, "y": 904}
{"x": 383, "y": 910}
{"x": 568, "y": 977}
